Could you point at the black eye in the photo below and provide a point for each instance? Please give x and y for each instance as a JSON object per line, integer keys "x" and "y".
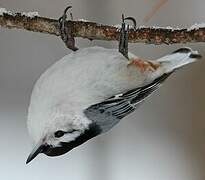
{"x": 59, "y": 134}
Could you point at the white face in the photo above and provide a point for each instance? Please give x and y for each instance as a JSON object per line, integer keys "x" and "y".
{"x": 60, "y": 135}
{"x": 43, "y": 124}
{"x": 62, "y": 132}
{"x": 64, "y": 128}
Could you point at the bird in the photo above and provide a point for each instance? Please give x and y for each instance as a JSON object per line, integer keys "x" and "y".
{"x": 87, "y": 92}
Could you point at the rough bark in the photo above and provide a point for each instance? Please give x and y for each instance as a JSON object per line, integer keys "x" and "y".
{"x": 91, "y": 30}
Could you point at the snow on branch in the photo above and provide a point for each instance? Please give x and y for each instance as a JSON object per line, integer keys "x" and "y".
{"x": 31, "y": 21}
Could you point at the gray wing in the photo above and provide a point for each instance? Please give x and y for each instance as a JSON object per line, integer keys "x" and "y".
{"x": 109, "y": 112}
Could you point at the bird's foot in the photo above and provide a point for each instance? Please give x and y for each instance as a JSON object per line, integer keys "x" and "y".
{"x": 124, "y": 33}
{"x": 66, "y": 31}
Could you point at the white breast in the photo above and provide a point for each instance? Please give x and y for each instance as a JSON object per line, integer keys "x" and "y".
{"x": 78, "y": 80}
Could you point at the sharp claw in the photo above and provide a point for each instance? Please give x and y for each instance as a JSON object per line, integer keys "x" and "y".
{"x": 65, "y": 31}
{"x": 66, "y": 10}
{"x": 123, "y": 42}
{"x": 124, "y": 33}
{"x": 71, "y": 16}
{"x": 133, "y": 21}
{"x": 126, "y": 41}
{"x": 123, "y": 18}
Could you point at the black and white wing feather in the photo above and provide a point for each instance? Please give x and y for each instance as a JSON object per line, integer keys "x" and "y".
{"x": 107, "y": 113}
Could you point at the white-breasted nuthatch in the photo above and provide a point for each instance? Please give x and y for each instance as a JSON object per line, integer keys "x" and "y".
{"x": 89, "y": 91}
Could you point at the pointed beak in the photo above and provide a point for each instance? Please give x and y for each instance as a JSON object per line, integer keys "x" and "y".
{"x": 39, "y": 148}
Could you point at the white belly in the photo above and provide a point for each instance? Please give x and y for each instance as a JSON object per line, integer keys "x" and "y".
{"x": 80, "y": 79}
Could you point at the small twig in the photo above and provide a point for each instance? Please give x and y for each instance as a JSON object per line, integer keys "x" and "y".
{"x": 91, "y": 30}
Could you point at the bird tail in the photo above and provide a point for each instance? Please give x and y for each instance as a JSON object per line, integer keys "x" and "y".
{"x": 179, "y": 58}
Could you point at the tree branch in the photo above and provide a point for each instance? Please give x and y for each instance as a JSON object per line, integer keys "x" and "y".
{"x": 91, "y": 30}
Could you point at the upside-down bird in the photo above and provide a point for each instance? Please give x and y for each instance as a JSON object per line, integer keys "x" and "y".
{"x": 90, "y": 90}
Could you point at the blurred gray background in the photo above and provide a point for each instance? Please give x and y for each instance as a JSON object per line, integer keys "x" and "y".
{"x": 163, "y": 140}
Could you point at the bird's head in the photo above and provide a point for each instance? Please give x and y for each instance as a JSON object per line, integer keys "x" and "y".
{"x": 62, "y": 136}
